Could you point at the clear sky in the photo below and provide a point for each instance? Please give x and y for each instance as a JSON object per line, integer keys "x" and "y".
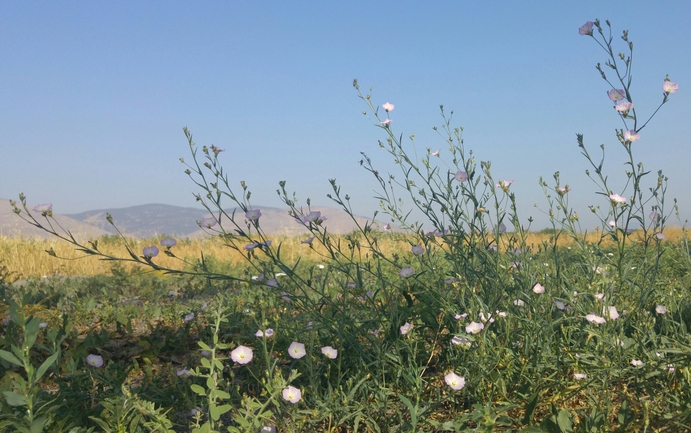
{"x": 94, "y": 95}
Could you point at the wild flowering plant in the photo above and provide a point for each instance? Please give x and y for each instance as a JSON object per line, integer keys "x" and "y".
{"x": 466, "y": 325}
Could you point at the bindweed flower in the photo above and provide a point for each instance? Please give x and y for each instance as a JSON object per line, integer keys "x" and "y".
{"x": 486, "y": 319}
{"x": 631, "y": 135}
{"x": 292, "y": 394}
{"x": 616, "y": 198}
{"x": 586, "y": 29}
{"x": 250, "y": 247}
{"x": 195, "y": 411}
{"x": 596, "y": 320}
{"x": 183, "y": 373}
{"x": 388, "y": 107}
{"x": 406, "y": 328}
{"x": 386, "y": 122}
{"x": 670, "y": 368}
{"x": 518, "y": 302}
{"x": 460, "y": 341}
{"x": 616, "y": 94}
{"x": 44, "y": 209}
{"x": 654, "y": 216}
{"x": 253, "y": 214}
{"x": 417, "y": 249}
{"x": 42, "y": 325}
{"x": 599, "y": 296}
{"x": 314, "y": 217}
{"x": 501, "y": 229}
{"x": 455, "y": 381}
{"x": 241, "y": 355}
{"x": 188, "y": 317}
{"x": 150, "y": 252}
{"x": 580, "y": 376}
{"x": 386, "y": 227}
{"x": 538, "y": 289}
{"x": 624, "y": 107}
{"x": 636, "y": 363}
{"x": 207, "y": 223}
{"x": 561, "y": 190}
{"x": 435, "y": 153}
{"x": 268, "y": 333}
{"x": 375, "y": 331}
{"x": 205, "y": 353}
{"x": 461, "y": 176}
{"x": 272, "y": 283}
{"x": 559, "y": 304}
{"x": 474, "y": 328}
{"x": 94, "y": 360}
{"x": 660, "y": 236}
{"x": 613, "y": 313}
{"x": 168, "y": 242}
{"x": 308, "y": 241}
{"x": 329, "y": 352}
{"x": 406, "y": 272}
{"x": 268, "y": 429}
{"x": 661, "y": 309}
{"x": 460, "y": 316}
{"x": 670, "y": 87}
{"x": 296, "y": 350}
{"x": 449, "y": 281}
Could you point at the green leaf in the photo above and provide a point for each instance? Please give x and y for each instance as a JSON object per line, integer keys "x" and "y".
{"x": 215, "y": 413}
{"x": 204, "y": 346}
{"x": 564, "y": 421}
{"x": 7, "y": 356}
{"x": 223, "y": 409}
{"x": 205, "y": 363}
{"x": 198, "y": 389}
{"x": 14, "y": 399}
{"x": 46, "y": 364}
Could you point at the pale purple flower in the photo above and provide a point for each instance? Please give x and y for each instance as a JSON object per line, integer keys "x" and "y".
{"x": 599, "y": 296}
{"x": 386, "y": 227}
{"x": 216, "y": 150}
{"x": 486, "y": 319}
{"x": 501, "y": 228}
{"x": 670, "y": 87}
{"x": 296, "y": 350}
{"x": 386, "y": 122}
{"x": 580, "y": 376}
{"x": 314, "y": 217}
{"x": 596, "y": 320}
{"x": 460, "y": 316}
{"x": 616, "y": 94}
{"x": 272, "y": 283}
{"x": 474, "y": 328}
{"x": 195, "y": 411}
{"x": 250, "y": 247}
{"x": 329, "y": 352}
{"x": 493, "y": 247}
{"x": 455, "y": 381}
{"x": 613, "y": 223}
{"x": 660, "y": 236}
{"x": 150, "y": 252}
{"x": 241, "y": 355}
{"x": 205, "y": 305}
{"x": 518, "y": 302}
{"x": 460, "y": 341}
{"x": 670, "y": 368}
{"x": 654, "y": 216}
{"x": 253, "y": 214}
{"x": 559, "y": 304}
{"x": 286, "y": 297}
{"x": 461, "y": 176}
{"x": 207, "y": 222}
{"x": 268, "y": 429}
{"x": 375, "y": 331}
{"x": 500, "y": 313}
{"x": 430, "y": 234}
{"x": 406, "y": 328}
{"x": 417, "y": 249}
{"x": 624, "y": 107}
{"x": 351, "y": 285}
{"x": 406, "y": 272}
{"x": 205, "y": 353}
{"x": 308, "y": 241}
{"x": 188, "y": 317}
{"x": 661, "y": 309}
{"x": 504, "y": 184}
{"x": 168, "y": 242}
{"x": 436, "y": 153}
{"x": 369, "y": 293}
{"x": 613, "y": 313}
{"x": 561, "y": 190}
{"x": 631, "y": 135}
{"x": 292, "y": 394}
{"x": 94, "y": 360}
{"x": 184, "y": 372}
{"x": 44, "y": 208}
{"x": 586, "y": 29}
{"x": 636, "y": 362}
{"x": 538, "y": 289}
{"x": 42, "y": 325}
{"x": 449, "y": 281}
{"x": 616, "y": 198}
{"x": 388, "y": 107}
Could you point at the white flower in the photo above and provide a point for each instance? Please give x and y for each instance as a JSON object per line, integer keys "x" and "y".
{"x": 406, "y": 328}
{"x": 580, "y": 376}
{"x": 596, "y": 320}
{"x": 636, "y": 362}
{"x": 661, "y": 309}
{"x": 518, "y": 302}
{"x": 474, "y": 328}
{"x": 329, "y": 352}
{"x": 538, "y": 289}
{"x": 455, "y": 381}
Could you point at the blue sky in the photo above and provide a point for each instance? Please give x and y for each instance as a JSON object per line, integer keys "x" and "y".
{"x": 94, "y": 95}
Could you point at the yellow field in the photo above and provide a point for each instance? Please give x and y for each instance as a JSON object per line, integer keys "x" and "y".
{"x": 27, "y": 257}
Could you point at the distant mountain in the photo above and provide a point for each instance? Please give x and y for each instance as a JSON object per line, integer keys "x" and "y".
{"x": 11, "y": 225}
{"x": 151, "y": 220}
